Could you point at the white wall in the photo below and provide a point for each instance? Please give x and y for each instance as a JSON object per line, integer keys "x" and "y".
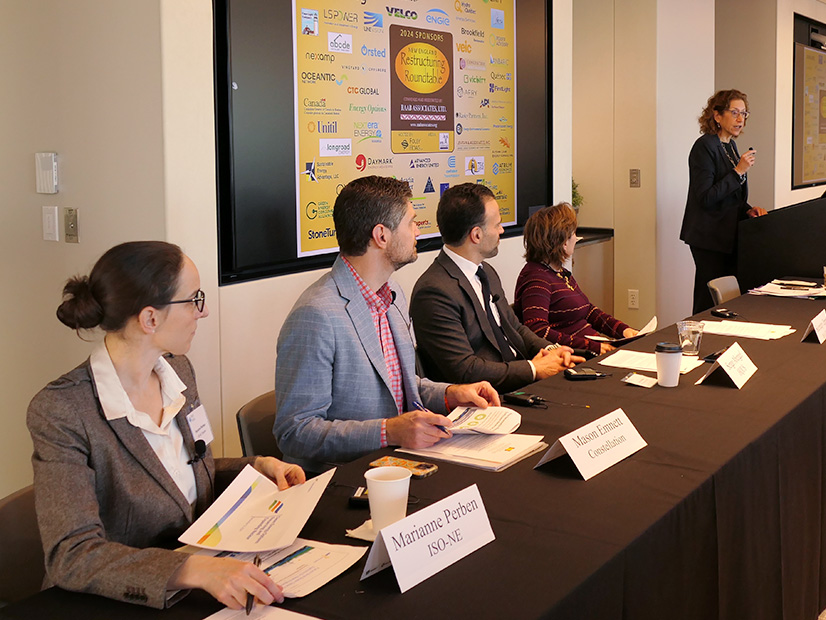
{"x": 614, "y": 112}
{"x": 80, "y": 78}
{"x": 685, "y": 80}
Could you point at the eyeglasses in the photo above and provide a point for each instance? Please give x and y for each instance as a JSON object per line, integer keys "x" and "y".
{"x": 199, "y": 300}
{"x": 744, "y": 114}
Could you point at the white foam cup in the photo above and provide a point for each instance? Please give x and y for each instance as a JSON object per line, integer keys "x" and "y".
{"x": 387, "y": 489}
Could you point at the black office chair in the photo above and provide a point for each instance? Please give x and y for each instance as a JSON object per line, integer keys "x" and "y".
{"x": 21, "y": 554}
{"x": 255, "y": 420}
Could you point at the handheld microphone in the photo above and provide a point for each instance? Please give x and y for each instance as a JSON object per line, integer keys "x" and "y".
{"x": 495, "y": 298}
{"x": 200, "y": 452}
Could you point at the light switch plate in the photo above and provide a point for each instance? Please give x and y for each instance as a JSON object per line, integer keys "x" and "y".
{"x": 71, "y": 231}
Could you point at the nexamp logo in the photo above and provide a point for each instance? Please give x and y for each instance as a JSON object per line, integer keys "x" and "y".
{"x": 339, "y": 42}
{"x": 438, "y": 17}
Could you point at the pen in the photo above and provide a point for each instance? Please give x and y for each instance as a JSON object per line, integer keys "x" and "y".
{"x": 421, "y": 407}
{"x": 251, "y": 597}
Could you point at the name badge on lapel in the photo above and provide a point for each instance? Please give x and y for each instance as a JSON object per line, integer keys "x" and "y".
{"x": 199, "y": 425}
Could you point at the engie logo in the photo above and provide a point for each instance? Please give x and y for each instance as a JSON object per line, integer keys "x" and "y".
{"x": 338, "y": 42}
{"x": 438, "y": 17}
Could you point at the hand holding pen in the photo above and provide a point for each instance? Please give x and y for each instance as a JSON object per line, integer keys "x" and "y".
{"x": 417, "y": 429}
{"x": 250, "y": 596}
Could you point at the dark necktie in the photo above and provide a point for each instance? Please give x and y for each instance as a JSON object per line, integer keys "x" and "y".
{"x": 501, "y": 339}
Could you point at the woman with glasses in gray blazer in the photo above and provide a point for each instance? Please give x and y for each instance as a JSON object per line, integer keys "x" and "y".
{"x": 121, "y": 461}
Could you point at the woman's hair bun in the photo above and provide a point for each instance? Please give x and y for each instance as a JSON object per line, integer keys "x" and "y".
{"x": 80, "y": 309}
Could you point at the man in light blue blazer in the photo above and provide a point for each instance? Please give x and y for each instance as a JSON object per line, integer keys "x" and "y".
{"x": 345, "y": 380}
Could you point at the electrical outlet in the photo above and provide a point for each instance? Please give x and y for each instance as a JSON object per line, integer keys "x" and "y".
{"x": 634, "y": 177}
{"x": 633, "y": 299}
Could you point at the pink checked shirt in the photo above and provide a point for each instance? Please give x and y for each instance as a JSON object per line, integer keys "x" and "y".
{"x": 379, "y": 303}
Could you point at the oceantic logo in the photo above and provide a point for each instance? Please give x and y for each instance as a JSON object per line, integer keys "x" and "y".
{"x": 339, "y": 42}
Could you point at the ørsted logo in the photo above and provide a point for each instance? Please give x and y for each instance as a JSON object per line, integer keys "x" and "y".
{"x": 373, "y": 52}
{"x": 339, "y": 42}
{"x": 393, "y": 11}
{"x": 438, "y": 17}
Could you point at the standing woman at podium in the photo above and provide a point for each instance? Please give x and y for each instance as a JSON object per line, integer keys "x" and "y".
{"x": 717, "y": 192}
{"x": 121, "y": 465}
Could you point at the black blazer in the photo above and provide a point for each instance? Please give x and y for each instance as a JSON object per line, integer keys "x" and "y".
{"x": 455, "y": 340}
{"x": 716, "y": 199}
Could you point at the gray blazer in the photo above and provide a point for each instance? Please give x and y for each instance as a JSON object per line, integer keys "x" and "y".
{"x": 331, "y": 382}
{"x": 455, "y": 338}
{"x": 108, "y": 511}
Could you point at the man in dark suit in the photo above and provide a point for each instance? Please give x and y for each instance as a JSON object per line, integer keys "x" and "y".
{"x": 465, "y": 329}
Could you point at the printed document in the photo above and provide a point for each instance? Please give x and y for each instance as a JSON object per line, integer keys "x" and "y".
{"x": 489, "y": 421}
{"x": 742, "y": 329}
{"x": 647, "y": 362}
{"x": 650, "y": 327}
{"x": 253, "y": 515}
{"x": 303, "y": 567}
{"x": 491, "y": 452}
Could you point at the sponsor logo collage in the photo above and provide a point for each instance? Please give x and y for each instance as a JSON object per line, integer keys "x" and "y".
{"x": 345, "y": 65}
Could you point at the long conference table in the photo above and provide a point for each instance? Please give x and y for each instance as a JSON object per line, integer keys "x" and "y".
{"x": 721, "y": 516}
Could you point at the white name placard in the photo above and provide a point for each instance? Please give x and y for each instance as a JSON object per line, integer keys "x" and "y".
{"x": 818, "y": 326}
{"x": 430, "y": 540}
{"x": 597, "y": 446}
{"x": 735, "y": 365}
